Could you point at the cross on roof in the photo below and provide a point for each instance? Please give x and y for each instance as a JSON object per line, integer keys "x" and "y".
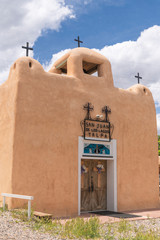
{"x": 106, "y": 110}
{"x": 27, "y": 48}
{"x": 78, "y": 40}
{"x": 138, "y": 77}
{"x": 88, "y": 106}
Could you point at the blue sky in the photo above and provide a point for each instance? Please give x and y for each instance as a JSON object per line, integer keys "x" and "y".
{"x": 99, "y": 24}
{"x": 127, "y": 32}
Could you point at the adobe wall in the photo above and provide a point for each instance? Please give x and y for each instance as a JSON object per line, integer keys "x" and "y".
{"x": 8, "y": 92}
{"x": 49, "y": 108}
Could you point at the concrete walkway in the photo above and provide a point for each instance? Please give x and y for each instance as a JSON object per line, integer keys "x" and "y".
{"x": 130, "y": 216}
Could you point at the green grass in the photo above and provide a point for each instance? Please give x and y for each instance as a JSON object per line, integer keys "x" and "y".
{"x": 21, "y": 215}
{"x": 91, "y": 228}
{"x": 76, "y": 228}
{"x": 124, "y": 226}
{"x": 83, "y": 229}
{"x": 147, "y": 236}
{"x": 125, "y": 230}
{"x": 6, "y": 208}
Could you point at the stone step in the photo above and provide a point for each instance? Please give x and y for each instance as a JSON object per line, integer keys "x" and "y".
{"x": 42, "y": 215}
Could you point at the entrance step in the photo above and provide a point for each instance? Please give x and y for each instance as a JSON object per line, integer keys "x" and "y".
{"x": 42, "y": 215}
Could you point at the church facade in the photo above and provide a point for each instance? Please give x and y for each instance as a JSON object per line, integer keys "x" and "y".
{"x": 74, "y": 141}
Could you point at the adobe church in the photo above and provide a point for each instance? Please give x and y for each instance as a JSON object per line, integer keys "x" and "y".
{"x": 75, "y": 142}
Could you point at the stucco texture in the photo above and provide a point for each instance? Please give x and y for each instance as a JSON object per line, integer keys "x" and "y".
{"x": 40, "y": 124}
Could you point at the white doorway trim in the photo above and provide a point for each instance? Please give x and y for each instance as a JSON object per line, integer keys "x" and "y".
{"x": 111, "y": 172}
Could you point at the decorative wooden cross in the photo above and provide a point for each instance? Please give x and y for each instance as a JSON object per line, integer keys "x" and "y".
{"x": 138, "y": 77}
{"x": 78, "y": 40}
{"x": 106, "y": 110}
{"x": 88, "y": 106}
{"x": 27, "y": 48}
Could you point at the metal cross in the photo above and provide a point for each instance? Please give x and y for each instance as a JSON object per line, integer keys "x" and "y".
{"x": 27, "y": 48}
{"x": 88, "y": 106}
{"x": 138, "y": 77}
{"x": 78, "y": 40}
{"x": 106, "y": 110}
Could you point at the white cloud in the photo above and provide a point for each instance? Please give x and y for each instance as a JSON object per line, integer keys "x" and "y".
{"x": 23, "y": 21}
{"x": 47, "y": 66}
{"x": 143, "y": 56}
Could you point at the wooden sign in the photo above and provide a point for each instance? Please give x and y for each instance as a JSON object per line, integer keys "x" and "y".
{"x": 96, "y": 130}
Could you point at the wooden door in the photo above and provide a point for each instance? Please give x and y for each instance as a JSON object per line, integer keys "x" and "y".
{"x": 93, "y": 185}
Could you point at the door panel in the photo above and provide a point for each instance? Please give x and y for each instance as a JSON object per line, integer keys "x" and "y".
{"x": 93, "y": 185}
{"x": 85, "y": 185}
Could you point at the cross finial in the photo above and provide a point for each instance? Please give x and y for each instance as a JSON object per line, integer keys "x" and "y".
{"x": 106, "y": 110}
{"x": 88, "y": 106}
{"x": 138, "y": 77}
{"x": 78, "y": 40}
{"x": 27, "y": 48}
